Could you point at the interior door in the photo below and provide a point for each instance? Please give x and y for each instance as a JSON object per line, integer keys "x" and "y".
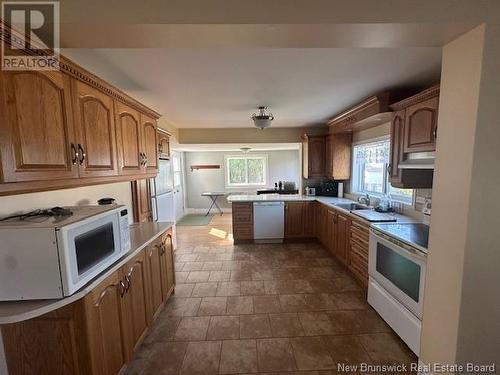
{"x": 95, "y": 125}
{"x": 36, "y": 133}
{"x": 130, "y": 157}
{"x": 149, "y": 143}
{"x": 178, "y": 172}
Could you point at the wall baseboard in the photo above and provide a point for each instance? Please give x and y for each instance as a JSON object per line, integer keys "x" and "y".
{"x": 204, "y": 211}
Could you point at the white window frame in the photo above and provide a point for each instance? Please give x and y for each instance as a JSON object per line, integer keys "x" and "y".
{"x": 356, "y": 181}
{"x": 264, "y": 157}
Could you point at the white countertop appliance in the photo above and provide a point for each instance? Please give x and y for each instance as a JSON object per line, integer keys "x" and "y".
{"x": 396, "y": 266}
{"x": 47, "y": 257}
{"x": 269, "y": 222}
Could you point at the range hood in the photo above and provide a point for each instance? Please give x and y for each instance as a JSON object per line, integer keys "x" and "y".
{"x": 418, "y": 160}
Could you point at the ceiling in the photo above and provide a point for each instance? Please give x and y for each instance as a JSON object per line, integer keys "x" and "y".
{"x": 222, "y": 87}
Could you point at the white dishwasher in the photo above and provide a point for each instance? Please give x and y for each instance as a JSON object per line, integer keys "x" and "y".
{"x": 268, "y": 221}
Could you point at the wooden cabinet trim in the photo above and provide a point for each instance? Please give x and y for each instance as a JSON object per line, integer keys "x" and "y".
{"x": 11, "y": 37}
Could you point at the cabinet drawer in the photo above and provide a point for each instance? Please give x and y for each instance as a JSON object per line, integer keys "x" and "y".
{"x": 359, "y": 250}
{"x": 359, "y": 241}
{"x": 237, "y": 207}
{"x": 243, "y": 217}
{"x": 360, "y": 229}
{"x": 243, "y": 233}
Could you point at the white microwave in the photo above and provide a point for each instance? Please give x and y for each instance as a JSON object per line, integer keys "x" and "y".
{"x": 48, "y": 257}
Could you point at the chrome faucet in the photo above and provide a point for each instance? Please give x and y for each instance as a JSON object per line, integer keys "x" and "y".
{"x": 365, "y": 198}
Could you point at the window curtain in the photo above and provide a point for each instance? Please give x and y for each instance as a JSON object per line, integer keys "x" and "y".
{"x": 376, "y": 152}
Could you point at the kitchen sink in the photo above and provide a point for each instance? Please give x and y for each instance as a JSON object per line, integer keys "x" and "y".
{"x": 352, "y": 206}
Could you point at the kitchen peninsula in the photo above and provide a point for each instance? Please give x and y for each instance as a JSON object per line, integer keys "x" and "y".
{"x": 340, "y": 224}
{"x": 111, "y": 314}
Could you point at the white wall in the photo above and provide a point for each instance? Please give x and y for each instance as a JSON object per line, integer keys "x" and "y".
{"x": 284, "y": 165}
{"x": 461, "y": 251}
{"x": 69, "y": 197}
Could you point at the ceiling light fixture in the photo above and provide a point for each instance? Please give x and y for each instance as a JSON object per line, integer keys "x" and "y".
{"x": 245, "y": 150}
{"x": 262, "y": 120}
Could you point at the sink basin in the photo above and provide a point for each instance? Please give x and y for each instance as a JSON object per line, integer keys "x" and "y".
{"x": 352, "y": 206}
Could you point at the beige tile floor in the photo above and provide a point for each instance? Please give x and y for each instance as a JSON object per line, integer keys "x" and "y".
{"x": 241, "y": 309}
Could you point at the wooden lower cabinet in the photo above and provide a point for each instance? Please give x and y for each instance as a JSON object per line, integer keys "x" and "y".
{"x": 153, "y": 260}
{"x": 104, "y": 317}
{"x": 299, "y": 219}
{"x": 135, "y": 300}
{"x": 358, "y": 250}
{"x": 96, "y": 335}
{"x": 242, "y": 221}
{"x": 345, "y": 237}
{"x": 342, "y": 238}
{"x": 167, "y": 266}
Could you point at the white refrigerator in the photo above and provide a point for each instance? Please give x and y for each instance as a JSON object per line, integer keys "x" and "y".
{"x": 162, "y": 192}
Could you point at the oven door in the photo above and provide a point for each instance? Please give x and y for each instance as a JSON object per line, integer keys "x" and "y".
{"x": 399, "y": 269}
{"x": 87, "y": 248}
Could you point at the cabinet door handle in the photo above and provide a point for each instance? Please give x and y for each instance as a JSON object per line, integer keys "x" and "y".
{"x": 389, "y": 169}
{"x": 127, "y": 283}
{"x": 122, "y": 289}
{"x": 82, "y": 153}
{"x": 145, "y": 159}
{"x": 74, "y": 154}
{"x": 435, "y": 134}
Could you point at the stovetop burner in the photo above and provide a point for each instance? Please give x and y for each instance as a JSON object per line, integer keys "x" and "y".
{"x": 412, "y": 233}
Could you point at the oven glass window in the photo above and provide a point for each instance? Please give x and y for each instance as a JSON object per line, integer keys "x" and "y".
{"x": 94, "y": 246}
{"x": 401, "y": 271}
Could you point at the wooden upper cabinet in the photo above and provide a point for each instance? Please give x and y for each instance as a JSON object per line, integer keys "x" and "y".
{"x": 341, "y": 148}
{"x": 329, "y": 156}
{"x": 149, "y": 143}
{"x": 314, "y": 156}
{"x": 36, "y": 131}
{"x": 129, "y": 142}
{"x": 141, "y": 195}
{"x": 95, "y": 130}
{"x": 397, "y": 134}
{"x": 163, "y": 144}
{"x": 104, "y": 314}
{"x": 421, "y": 126}
{"x": 136, "y": 301}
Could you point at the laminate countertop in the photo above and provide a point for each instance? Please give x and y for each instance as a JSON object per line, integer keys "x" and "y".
{"x": 141, "y": 235}
{"x": 328, "y": 201}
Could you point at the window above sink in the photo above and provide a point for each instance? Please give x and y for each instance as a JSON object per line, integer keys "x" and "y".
{"x": 369, "y": 171}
